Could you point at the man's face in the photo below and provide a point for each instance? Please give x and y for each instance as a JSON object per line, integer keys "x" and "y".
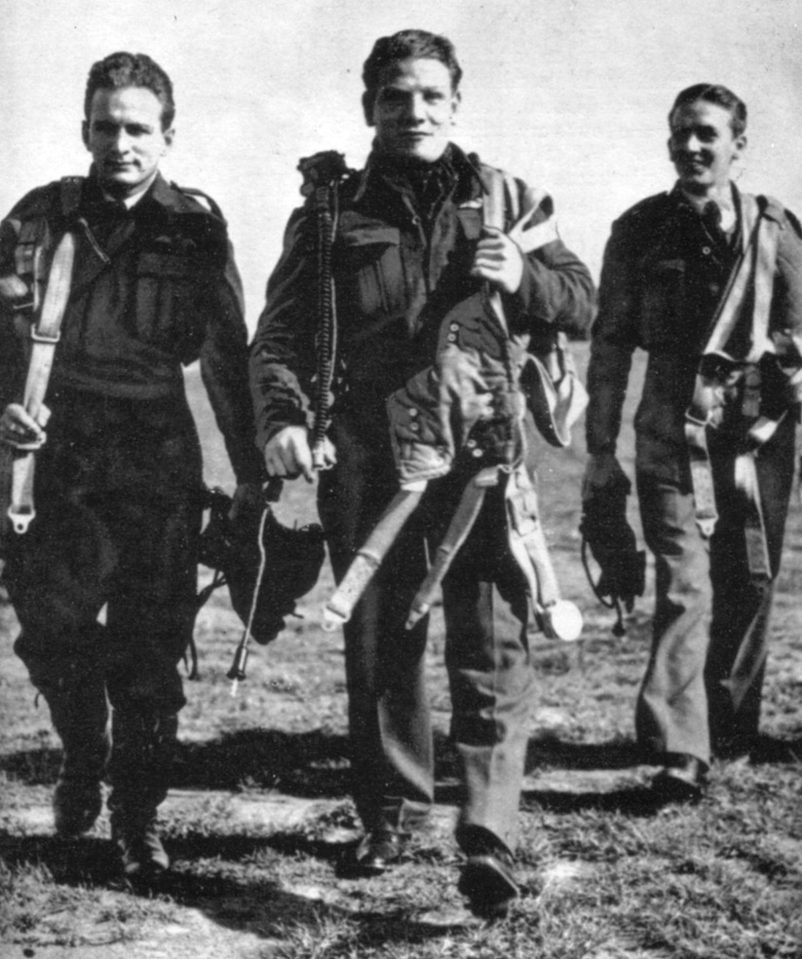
{"x": 125, "y": 137}
{"x": 702, "y": 146}
{"x": 413, "y": 109}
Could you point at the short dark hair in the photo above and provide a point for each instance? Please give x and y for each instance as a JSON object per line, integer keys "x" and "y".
{"x": 405, "y": 45}
{"x": 120, "y": 70}
{"x": 714, "y": 93}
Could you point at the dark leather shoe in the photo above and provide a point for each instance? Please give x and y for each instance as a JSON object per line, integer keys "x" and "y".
{"x": 141, "y": 853}
{"x": 734, "y": 749}
{"x": 488, "y": 883}
{"x": 379, "y": 849}
{"x": 681, "y": 780}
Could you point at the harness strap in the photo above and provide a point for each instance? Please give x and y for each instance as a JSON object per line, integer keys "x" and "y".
{"x": 730, "y": 305}
{"x": 525, "y": 533}
{"x": 559, "y": 618}
{"x": 756, "y": 265}
{"x": 460, "y": 526}
{"x": 369, "y": 558}
{"x": 45, "y": 335}
{"x": 757, "y": 548}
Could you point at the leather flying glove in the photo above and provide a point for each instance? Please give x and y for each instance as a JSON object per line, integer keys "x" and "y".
{"x": 611, "y": 540}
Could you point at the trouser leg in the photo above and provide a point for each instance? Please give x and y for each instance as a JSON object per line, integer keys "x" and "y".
{"x": 74, "y": 690}
{"x": 57, "y": 576}
{"x": 150, "y": 620}
{"x": 76, "y": 697}
{"x": 671, "y": 711}
{"x": 739, "y": 631}
{"x": 144, "y": 745}
{"x": 392, "y": 760}
{"x": 392, "y": 756}
{"x": 491, "y": 678}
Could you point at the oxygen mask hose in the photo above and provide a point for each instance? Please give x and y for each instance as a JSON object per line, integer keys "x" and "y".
{"x": 237, "y": 672}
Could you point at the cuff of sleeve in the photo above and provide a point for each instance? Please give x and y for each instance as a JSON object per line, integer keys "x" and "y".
{"x": 276, "y": 422}
{"x": 528, "y": 302}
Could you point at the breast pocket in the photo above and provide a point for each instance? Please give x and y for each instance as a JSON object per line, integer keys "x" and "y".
{"x": 169, "y": 292}
{"x": 371, "y": 272}
{"x": 664, "y": 303}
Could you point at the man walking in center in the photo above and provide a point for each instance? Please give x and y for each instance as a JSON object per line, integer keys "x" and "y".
{"x": 409, "y": 245}
{"x": 708, "y": 281}
{"x": 149, "y": 285}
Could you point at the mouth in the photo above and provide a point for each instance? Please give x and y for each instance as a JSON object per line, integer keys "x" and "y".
{"x": 692, "y": 164}
{"x": 119, "y": 166}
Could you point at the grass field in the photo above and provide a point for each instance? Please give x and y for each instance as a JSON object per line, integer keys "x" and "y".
{"x": 260, "y": 819}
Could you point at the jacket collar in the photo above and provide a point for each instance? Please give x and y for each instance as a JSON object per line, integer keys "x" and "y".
{"x": 159, "y": 200}
{"x": 461, "y": 173}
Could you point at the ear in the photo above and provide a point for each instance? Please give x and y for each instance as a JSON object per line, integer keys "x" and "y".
{"x": 169, "y": 136}
{"x": 85, "y": 133}
{"x": 456, "y": 99}
{"x": 740, "y": 146}
{"x": 368, "y": 101}
{"x": 670, "y": 146}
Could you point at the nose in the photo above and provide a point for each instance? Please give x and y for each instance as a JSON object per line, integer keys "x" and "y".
{"x": 416, "y": 108}
{"x": 121, "y": 141}
{"x": 693, "y": 144}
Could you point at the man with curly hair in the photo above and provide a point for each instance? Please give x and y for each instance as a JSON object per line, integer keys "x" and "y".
{"x": 410, "y": 245}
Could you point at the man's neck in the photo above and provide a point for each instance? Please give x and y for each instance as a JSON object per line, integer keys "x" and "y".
{"x": 722, "y": 196}
{"x": 130, "y": 200}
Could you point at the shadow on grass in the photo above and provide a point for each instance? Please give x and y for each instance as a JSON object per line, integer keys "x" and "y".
{"x": 315, "y": 764}
{"x": 227, "y": 878}
{"x": 636, "y": 801}
{"x": 310, "y": 764}
{"x": 770, "y": 750}
{"x": 551, "y": 752}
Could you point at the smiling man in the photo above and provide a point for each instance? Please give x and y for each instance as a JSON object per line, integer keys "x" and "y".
{"x": 150, "y": 286}
{"x": 410, "y": 244}
{"x": 707, "y": 280}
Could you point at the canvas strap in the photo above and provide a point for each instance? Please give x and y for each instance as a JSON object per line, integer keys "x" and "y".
{"x": 45, "y": 334}
{"x": 755, "y": 270}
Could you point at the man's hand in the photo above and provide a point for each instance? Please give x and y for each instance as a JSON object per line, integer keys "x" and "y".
{"x": 499, "y": 260}
{"x": 13, "y": 291}
{"x": 19, "y": 429}
{"x": 602, "y": 471}
{"x": 288, "y": 453}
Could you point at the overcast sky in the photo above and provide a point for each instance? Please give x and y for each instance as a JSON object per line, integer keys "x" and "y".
{"x": 571, "y": 95}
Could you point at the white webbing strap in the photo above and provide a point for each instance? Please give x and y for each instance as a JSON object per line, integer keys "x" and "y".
{"x": 756, "y": 265}
{"x": 732, "y": 302}
{"x": 45, "y": 335}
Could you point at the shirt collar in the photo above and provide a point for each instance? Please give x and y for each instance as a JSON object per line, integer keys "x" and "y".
{"x": 459, "y": 170}
{"x": 729, "y": 215}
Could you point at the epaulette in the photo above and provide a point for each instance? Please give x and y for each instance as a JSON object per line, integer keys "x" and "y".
{"x": 794, "y": 221}
{"x": 643, "y": 209}
{"x": 42, "y": 201}
{"x": 774, "y": 210}
{"x": 70, "y": 192}
{"x": 203, "y": 200}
